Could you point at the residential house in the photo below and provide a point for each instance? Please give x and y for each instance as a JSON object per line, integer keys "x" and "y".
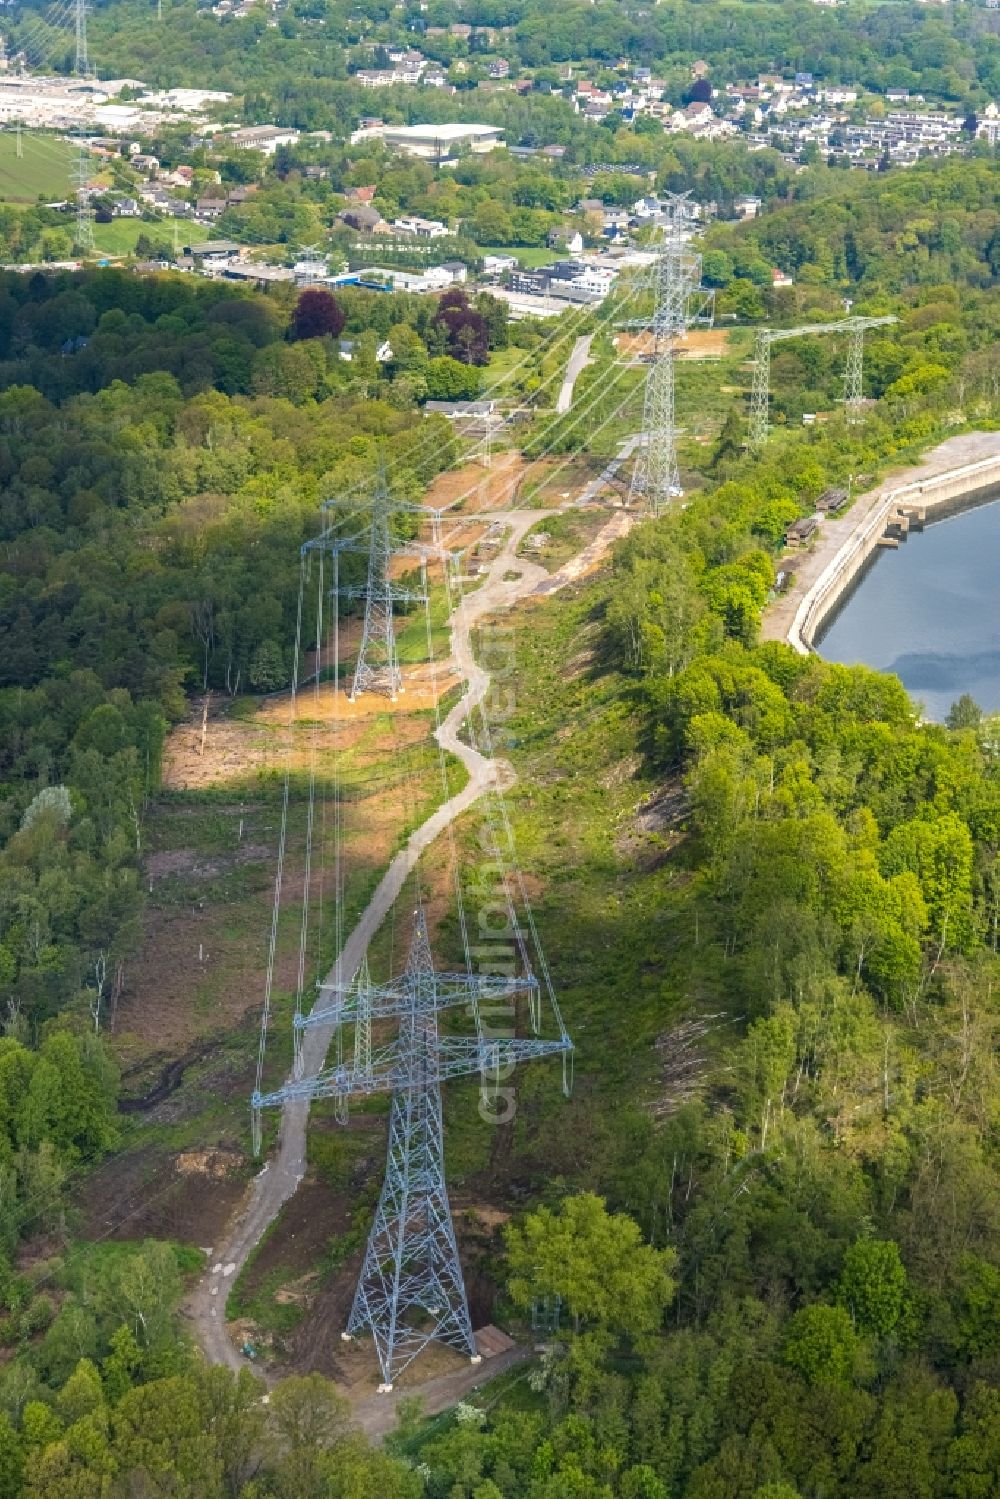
{"x": 179, "y": 177}
{"x": 646, "y": 208}
{"x": 440, "y": 277}
{"x": 421, "y": 228}
{"x": 556, "y": 238}
{"x": 988, "y": 128}
{"x": 495, "y": 266}
{"x": 348, "y": 348}
{"x": 837, "y": 95}
{"x": 375, "y": 77}
{"x": 457, "y": 410}
{"x": 592, "y": 102}
{"x": 692, "y": 117}
{"x": 364, "y": 220}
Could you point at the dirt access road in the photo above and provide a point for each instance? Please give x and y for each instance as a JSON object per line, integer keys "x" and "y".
{"x": 509, "y": 579}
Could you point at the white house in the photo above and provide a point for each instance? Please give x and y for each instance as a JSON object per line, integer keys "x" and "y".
{"x": 988, "y": 128}
{"x": 383, "y": 353}
{"x": 440, "y": 277}
{"x": 498, "y": 265}
{"x": 691, "y": 117}
{"x": 421, "y": 228}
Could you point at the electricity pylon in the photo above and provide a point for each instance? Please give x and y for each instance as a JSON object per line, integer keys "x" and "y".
{"x": 81, "y": 65}
{"x": 314, "y": 263}
{"x": 679, "y": 301}
{"x": 376, "y": 668}
{"x": 411, "y": 1291}
{"x": 84, "y": 224}
{"x": 82, "y": 68}
{"x": 854, "y": 327}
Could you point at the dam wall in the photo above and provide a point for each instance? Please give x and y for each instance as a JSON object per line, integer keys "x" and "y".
{"x": 894, "y": 512}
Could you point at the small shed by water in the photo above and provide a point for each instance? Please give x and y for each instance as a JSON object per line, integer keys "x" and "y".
{"x": 799, "y": 531}
{"x": 832, "y": 499}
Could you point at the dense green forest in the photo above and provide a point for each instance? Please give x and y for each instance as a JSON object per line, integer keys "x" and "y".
{"x": 793, "y": 1286}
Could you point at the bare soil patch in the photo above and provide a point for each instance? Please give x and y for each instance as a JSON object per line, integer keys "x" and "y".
{"x": 230, "y": 750}
{"x": 476, "y": 488}
{"x": 152, "y": 1194}
{"x": 300, "y": 1239}
{"x": 698, "y": 343}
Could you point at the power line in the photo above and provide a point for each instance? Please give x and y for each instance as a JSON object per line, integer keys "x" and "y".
{"x": 81, "y": 66}
{"x": 679, "y": 301}
{"x": 760, "y": 394}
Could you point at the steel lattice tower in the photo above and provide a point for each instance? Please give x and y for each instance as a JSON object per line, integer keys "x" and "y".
{"x": 760, "y": 394}
{"x": 411, "y": 1291}
{"x": 854, "y": 370}
{"x": 678, "y": 301}
{"x": 81, "y": 64}
{"x": 84, "y": 223}
{"x": 377, "y": 668}
{"x": 82, "y": 68}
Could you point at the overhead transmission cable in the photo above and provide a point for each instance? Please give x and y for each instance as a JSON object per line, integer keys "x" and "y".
{"x": 280, "y": 869}
{"x": 562, "y": 330}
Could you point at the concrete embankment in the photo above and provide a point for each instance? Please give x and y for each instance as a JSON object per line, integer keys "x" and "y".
{"x": 954, "y": 474}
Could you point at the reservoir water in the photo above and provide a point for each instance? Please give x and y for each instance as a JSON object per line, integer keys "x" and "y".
{"x": 930, "y": 612}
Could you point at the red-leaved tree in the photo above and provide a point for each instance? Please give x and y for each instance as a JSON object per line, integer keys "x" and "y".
{"x": 317, "y": 313}
{"x": 467, "y": 331}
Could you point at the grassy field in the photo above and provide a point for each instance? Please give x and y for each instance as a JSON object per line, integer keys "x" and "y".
{"x": 44, "y": 167}
{"x": 119, "y": 237}
{"x": 529, "y": 256}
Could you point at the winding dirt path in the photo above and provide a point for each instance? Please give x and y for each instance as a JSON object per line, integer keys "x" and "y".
{"x": 509, "y": 579}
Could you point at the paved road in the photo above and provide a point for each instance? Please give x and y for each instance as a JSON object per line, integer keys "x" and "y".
{"x": 275, "y": 1184}
{"x": 578, "y": 361}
